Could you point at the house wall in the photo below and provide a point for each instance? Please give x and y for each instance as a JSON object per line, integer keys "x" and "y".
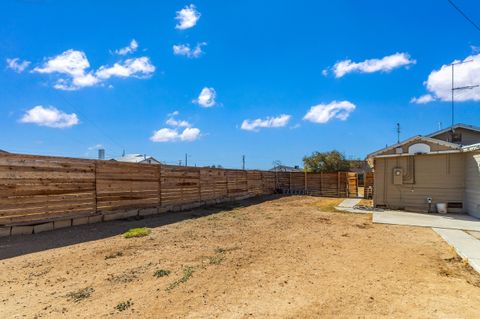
{"x": 468, "y": 137}
{"x": 472, "y": 183}
{"x": 440, "y": 177}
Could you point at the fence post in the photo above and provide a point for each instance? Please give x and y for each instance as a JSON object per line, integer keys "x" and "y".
{"x": 95, "y": 182}
{"x": 290, "y": 182}
{"x": 159, "y": 186}
{"x": 338, "y": 184}
{"x": 321, "y": 184}
{"x": 305, "y": 180}
{"x": 200, "y": 185}
{"x": 248, "y": 186}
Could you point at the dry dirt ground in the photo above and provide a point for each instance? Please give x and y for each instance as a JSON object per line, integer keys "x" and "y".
{"x": 289, "y": 257}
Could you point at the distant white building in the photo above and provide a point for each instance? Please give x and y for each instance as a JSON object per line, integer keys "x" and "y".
{"x": 137, "y": 158}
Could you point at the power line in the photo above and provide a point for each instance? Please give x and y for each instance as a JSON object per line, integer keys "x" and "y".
{"x": 464, "y": 15}
{"x": 454, "y": 89}
{"x": 86, "y": 119}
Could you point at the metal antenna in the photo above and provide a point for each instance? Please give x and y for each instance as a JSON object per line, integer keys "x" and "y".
{"x": 398, "y": 133}
{"x": 243, "y": 161}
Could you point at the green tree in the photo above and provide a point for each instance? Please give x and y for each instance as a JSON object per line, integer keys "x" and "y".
{"x": 333, "y": 161}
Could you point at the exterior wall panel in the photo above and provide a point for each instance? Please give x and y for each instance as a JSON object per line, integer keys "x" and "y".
{"x": 440, "y": 177}
{"x": 472, "y": 183}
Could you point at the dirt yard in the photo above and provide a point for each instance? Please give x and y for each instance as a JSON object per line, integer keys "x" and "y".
{"x": 290, "y": 257}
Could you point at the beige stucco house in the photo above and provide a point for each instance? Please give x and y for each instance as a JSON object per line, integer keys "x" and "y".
{"x": 418, "y": 173}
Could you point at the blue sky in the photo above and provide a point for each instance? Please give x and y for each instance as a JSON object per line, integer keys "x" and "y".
{"x": 67, "y": 86}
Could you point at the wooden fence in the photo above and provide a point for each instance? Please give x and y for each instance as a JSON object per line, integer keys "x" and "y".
{"x": 335, "y": 184}
{"x": 53, "y": 192}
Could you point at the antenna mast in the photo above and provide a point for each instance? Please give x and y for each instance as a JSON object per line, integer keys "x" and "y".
{"x": 398, "y": 133}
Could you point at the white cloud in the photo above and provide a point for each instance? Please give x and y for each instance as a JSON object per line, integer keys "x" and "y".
{"x": 185, "y": 50}
{"x": 384, "y": 64}
{"x": 17, "y": 65}
{"x": 50, "y": 117}
{"x": 207, "y": 97}
{"x": 74, "y": 64}
{"x": 426, "y": 98}
{"x": 172, "y": 121}
{"x": 71, "y": 62}
{"x": 187, "y": 17}
{"x": 254, "y": 125}
{"x": 138, "y": 67}
{"x": 131, "y": 48}
{"x": 322, "y": 113}
{"x": 439, "y": 82}
{"x": 189, "y": 134}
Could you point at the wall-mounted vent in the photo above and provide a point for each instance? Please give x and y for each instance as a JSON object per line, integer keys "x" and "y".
{"x": 399, "y": 150}
{"x": 455, "y": 205}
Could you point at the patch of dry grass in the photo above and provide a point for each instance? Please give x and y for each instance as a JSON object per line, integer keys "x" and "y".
{"x": 327, "y": 204}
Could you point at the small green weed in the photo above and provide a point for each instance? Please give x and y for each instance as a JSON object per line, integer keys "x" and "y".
{"x": 161, "y": 273}
{"x": 137, "y": 232}
{"x": 124, "y": 305}
{"x": 187, "y": 273}
{"x": 114, "y": 255}
{"x": 81, "y": 294}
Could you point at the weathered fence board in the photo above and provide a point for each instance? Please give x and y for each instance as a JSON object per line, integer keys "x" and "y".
{"x": 126, "y": 186}
{"x": 34, "y": 188}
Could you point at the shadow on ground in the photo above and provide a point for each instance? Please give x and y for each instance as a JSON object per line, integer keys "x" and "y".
{"x": 25, "y": 244}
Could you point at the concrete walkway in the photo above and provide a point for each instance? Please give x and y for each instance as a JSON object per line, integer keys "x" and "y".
{"x": 467, "y": 246}
{"x": 349, "y": 203}
{"x": 448, "y": 221}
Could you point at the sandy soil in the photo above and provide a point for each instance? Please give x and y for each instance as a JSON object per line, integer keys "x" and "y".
{"x": 289, "y": 257}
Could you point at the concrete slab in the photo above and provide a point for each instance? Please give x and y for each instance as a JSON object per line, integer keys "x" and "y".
{"x": 349, "y": 202}
{"x": 62, "y": 223}
{"x": 475, "y": 234}
{"x": 448, "y": 221}
{"x": 467, "y": 246}
{"x": 120, "y": 215}
{"x": 95, "y": 219}
{"x": 148, "y": 211}
{"x": 79, "y": 221}
{"x": 22, "y": 230}
{"x": 42, "y": 227}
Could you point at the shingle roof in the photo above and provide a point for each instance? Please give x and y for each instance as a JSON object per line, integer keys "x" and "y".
{"x": 459, "y": 125}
